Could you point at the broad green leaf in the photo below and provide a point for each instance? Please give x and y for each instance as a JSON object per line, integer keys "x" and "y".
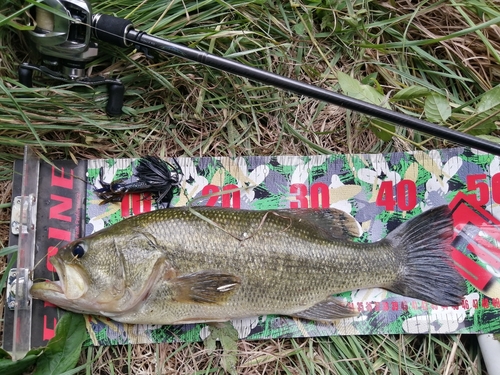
{"x": 484, "y": 128}
{"x": 228, "y": 337}
{"x": 411, "y": 92}
{"x": 355, "y": 89}
{"x": 487, "y": 112}
{"x": 369, "y": 79}
{"x": 490, "y": 100}
{"x": 63, "y": 350}
{"x": 437, "y": 108}
{"x": 210, "y": 342}
{"x": 380, "y": 129}
{"x": 7, "y": 366}
{"x": 229, "y": 342}
{"x": 300, "y": 28}
{"x": 479, "y": 125}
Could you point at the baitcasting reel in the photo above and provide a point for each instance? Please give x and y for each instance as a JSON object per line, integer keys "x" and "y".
{"x": 63, "y": 37}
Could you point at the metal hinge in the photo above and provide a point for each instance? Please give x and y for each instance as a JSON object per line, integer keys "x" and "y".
{"x": 20, "y": 222}
{"x": 18, "y": 286}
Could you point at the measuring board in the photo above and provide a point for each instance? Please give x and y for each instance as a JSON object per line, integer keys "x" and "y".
{"x": 58, "y": 204}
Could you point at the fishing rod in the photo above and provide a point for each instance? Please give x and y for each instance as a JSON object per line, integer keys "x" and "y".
{"x": 63, "y": 30}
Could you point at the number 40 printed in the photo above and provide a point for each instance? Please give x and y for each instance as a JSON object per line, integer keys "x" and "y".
{"x": 404, "y": 197}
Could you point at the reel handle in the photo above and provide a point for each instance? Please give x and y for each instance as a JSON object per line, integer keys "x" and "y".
{"x": 116, "y": 90}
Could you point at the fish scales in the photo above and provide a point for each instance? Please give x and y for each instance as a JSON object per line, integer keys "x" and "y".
{"x": 276, "y": 259}
{"x": 171, "y": 266}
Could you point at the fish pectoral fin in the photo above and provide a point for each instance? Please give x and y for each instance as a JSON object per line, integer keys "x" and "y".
{"x": 327, "y": 310}
{"x": 208, "y": 286}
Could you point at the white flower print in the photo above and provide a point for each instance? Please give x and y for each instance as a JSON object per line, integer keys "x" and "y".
{"x": 247, "y": 182}
{"x": 191, "y": 189}
{"x": 441, "y": 173}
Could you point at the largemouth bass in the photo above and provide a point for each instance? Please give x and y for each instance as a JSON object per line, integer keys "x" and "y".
{"x": 171, "y": 266}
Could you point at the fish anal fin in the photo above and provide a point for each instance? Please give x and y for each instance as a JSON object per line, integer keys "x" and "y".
{"x": 327, "y": 310}
{"x": 207, "y": 286}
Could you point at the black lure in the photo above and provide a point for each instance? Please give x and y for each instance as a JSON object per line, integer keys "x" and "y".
{"x": 154, "y": 176}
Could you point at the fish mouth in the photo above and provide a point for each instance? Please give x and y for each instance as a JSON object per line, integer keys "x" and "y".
{"x": 43, "y": 289}
{"x": 39, "y": 289}
{"x": 72, "y": 283}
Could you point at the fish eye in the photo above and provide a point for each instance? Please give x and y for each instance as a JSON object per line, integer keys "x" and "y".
{"x": 78, "y": 251}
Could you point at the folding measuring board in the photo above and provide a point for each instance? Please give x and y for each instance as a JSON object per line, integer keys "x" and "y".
{"x": 58, "y": 204}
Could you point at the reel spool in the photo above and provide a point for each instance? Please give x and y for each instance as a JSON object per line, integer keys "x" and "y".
{"x": 63, "y": 36}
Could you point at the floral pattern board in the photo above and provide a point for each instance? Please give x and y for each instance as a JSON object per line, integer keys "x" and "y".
{"x": 380, "y": 191}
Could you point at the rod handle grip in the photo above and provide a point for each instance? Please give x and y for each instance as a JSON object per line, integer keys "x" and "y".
{"x": 112, "y": 29}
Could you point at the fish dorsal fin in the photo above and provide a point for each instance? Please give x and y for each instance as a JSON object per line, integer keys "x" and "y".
{"x": 330, "y": 223}
{"x": 327, "y": 310}
{"x": 207, "y": 286}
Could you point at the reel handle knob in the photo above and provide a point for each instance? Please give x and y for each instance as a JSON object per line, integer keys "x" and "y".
{"x": 116, "y": 91}
{"x": 25, "y": 75}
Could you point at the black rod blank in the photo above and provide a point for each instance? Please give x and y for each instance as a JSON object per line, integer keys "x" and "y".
{"x": 141, "y": 38}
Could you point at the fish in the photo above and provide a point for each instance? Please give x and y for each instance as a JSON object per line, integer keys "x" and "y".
{"x": 209, "y": 264}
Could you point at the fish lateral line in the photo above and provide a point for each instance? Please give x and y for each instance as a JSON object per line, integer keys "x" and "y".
{"x": 192, "y": 210}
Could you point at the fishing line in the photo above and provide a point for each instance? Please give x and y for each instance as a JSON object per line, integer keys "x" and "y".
{"x": 192, "y": 210}
{"x": 54, "y": 274}
{"x": 131, "y": 36}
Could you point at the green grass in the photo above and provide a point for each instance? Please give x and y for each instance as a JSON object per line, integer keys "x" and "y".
{"x": 357, "y": 355}
{"x": 437, "y": 60}
{"x": 388, "y": 46}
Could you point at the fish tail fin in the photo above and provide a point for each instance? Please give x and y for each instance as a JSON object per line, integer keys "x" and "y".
{"x": 427, "y": 271}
